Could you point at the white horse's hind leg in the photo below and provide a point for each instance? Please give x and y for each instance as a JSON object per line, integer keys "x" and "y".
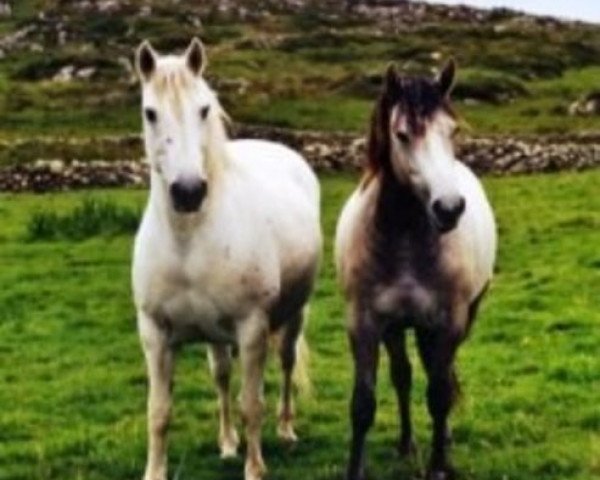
{"x": 219, "y": 358}
{"x": 288, "y": 338}
{"x": 253, "y": 343}
{"x": 159, "y": 360}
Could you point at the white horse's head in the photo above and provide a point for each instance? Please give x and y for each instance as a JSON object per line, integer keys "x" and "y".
{"x": 417, "y": 125}
{"x": 181, "y": 115}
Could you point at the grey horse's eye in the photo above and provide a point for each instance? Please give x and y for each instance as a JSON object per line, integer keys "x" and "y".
{"x": 204, "y": 112}
{"x": 151, "y": 115}
{"x": 403, "y": 138}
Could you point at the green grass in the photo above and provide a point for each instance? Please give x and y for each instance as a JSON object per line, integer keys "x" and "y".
{"x": 88, "y": 219}
{"x": 73, "y": 380}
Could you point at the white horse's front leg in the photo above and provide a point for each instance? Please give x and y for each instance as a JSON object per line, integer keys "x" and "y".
{"x": 219, "y": 358}
{"x": 159, "y": 361}
{"x": 253, "y": 343}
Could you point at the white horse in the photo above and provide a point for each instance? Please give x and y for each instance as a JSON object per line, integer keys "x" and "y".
{"x": 227, "y": 252}
{"x": 415, "y": 247}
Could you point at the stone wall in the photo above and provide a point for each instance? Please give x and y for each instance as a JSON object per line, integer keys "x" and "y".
{"x": 326, "y": 152}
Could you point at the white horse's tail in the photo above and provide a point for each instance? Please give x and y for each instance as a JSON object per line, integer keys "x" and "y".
{"x": 301, "y": 371}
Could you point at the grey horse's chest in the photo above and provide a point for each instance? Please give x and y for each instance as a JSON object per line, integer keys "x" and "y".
{"x": 405, "y": 297}
{"x": 411, "y": 286}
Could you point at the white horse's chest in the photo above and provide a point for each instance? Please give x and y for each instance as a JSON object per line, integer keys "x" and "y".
{"x": 199, "y": 294}
{"x": 177, "y": 295}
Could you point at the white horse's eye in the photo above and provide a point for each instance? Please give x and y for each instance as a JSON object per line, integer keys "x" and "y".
{"x": 204, "y": 112}
{"x": 151, "y": 115}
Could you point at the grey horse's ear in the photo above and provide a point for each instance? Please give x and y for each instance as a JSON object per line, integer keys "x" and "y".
{"x": 446, "y": 78}
{"x": 145, "y": 61}
{"x": 391, "y": 80}
{"x": 195, "y": 57}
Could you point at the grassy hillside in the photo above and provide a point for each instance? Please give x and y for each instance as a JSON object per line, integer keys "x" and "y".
{"x": 304, "y": 64}
{"x": 73, "y": 380}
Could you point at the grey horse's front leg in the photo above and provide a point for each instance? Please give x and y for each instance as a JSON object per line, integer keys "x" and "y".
{"x": 364, "y": 337}
{"x": 401, "y": 376}
{"x": 438, "y": 349}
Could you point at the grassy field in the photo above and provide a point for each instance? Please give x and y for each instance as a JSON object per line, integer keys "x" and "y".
{"x": 73, "y": 380}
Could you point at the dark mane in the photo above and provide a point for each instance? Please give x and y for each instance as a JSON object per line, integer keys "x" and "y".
{"x": 419, "y": 98}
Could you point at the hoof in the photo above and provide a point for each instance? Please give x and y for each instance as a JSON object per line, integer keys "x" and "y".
{"x": 229, "y": 445}
{"x": 285, "y": 432}
{"x": 155, "y": 476}
{"x": 255, "y": 471}
{"x": 356, "y": 475}
{"x": 408, "y": 449}
{"x": 362, "y": 476}
{"x": 447, "y": 474}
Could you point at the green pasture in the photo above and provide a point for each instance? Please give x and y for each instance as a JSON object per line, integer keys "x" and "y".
{"x": 73, "y": 381}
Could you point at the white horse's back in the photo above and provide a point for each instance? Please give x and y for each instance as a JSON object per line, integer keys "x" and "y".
{"x": 286, "y": 195}
{"x": 272, "y": 161}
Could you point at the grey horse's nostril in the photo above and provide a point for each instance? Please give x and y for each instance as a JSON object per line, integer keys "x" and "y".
{"x": 438, "y": 207}
{"x": 447, "y": 212}
{"x": 188, "y": 195}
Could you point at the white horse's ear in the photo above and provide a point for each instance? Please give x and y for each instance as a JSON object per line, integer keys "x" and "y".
{"x": 446, "y": 77}
{"x": 195, "y": 57}
{"x": 145, "y": 61}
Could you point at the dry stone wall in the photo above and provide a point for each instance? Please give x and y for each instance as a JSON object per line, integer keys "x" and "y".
{"x": 325, "y": 152}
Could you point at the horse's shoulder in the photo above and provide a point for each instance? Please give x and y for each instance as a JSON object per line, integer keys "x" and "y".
{"x": 265, "y": 150}
{"x": 352, "y": 232}
{"x": 273, "y": 164}
{"x": 476, "y": 236}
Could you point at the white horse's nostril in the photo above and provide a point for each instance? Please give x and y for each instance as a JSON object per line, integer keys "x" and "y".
{"x": 188, "y": 195}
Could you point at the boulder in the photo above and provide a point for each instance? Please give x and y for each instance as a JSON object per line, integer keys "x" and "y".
{"x": 589, "y": 105}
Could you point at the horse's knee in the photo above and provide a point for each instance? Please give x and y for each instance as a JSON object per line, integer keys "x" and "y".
{"x": 287, "y": 354}
{"x": 401, "y": 374}
{"x": 159, "y": 419}
{"x": 222, "y": 374}
{"x": 252, "y": 410}
{"x": 441, "y": 393}
{"x": 363, "y": 406}
{"x": 287, "y": 346}
{"x": 220, "y": 365}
